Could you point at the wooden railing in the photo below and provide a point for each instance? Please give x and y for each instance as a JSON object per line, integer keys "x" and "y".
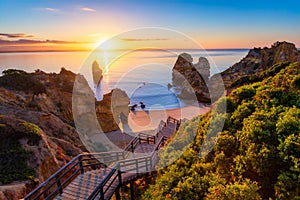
{"x": 175, "y": 121}
{"x": 142, "y": 164}
{"x": 145, "y": 138}
{"x": 140, "y": 138}
{"x": 134, "y": 166}
{"x": 91, "y": 161}
{"x": 113, "y": 178}
{"x": 55, "y": 184}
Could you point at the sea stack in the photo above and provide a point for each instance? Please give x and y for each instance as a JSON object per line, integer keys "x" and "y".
{"x": 192, "y": 78}
{"x": 97, "y": 73}
{"x": 112, "y": 110}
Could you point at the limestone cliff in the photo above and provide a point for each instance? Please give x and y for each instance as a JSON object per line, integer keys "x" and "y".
{"x": 26, "y": 155}
{"x": 259, "y": 59}
{"x": 192, "y": 78}
{"x": 44, "y": 100}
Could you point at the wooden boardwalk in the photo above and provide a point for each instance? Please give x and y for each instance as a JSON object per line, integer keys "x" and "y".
{"x": 100, "y": 175}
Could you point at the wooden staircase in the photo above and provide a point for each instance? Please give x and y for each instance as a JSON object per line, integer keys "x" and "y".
{"x": 99, "y": 175}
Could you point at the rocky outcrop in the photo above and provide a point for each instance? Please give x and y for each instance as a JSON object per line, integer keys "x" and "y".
{"x": 192, "y": 78}
{"x": 48, "y": 107}
{"x": 112, "y": 110}
{"x": 26, "y": 153}
{"x": 97, "y": 73}
{"x": 259, "y": 59}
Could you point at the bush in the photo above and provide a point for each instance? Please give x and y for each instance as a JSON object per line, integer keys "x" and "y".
{"x": 272, "y": 71}
{"x": 257, "y": 154}
{"x": 22, "y": 81}
{"x": 243, "y": 93}
{"x": 245, "y": 80}
{"x": 13, "y": 158}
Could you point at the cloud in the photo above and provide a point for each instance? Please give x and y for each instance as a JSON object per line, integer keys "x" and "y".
{"x": 143, "y": 39}
{"x": 16, "y": 35}
{"x": 26, "y": 41}
{"x": 87, "y": 9}
{"x": 52, "y": 9}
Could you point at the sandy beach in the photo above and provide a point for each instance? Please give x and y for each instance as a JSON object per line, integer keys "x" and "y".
{"x": 147, "y": 121}
{"x": 140, "y": 120}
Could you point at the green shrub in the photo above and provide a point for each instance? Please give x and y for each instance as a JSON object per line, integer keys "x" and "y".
{"x": 32, "y": 132}
{"x": 245, "y": 80}
{"x": 257, "y": 154}
{"x": 20, "y": 80}
{"x": 13, "y": 158}
{"x": 272, "y": 71}
{"x": 243, "y": 93}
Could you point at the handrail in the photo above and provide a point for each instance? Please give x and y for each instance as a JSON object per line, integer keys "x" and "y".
{"x": 100, "y": 188}
{"x": 136, "y": 161}
{"x": 83, "y": 162}
{"x": 49, "y": 179}
{"x": 76, "y": 165}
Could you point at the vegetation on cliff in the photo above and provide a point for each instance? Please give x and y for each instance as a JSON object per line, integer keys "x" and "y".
{"x": 22, "y": 81}
{"x": 13, "y": 157}
{"x": 257, "y": 155}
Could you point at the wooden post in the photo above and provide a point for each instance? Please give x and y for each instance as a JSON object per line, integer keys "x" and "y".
{"x": 101, "y": 193}
{"x": 59, "y": 185}
{"x": 117, "y": 193}
{"x": 136, "y": 167}
{"x": 132, "y": 149}
{"x": 119, "y": 175}
{"x": 81, "y": 165}
{"x": 131, "y": 190}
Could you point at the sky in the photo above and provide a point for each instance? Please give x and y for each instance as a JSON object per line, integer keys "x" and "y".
{"x": 82, "y": 24}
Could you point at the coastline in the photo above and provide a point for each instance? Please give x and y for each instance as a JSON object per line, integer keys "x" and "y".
{"x": 149, "y": 119}
{"x": 147, "y": 122}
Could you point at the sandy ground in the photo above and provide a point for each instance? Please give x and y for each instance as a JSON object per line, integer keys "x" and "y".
{"x": 147, "y": 122}
{"x": 140, "y": 121}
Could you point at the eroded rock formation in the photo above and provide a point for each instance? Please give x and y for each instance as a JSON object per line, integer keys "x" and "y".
{"x": 110, "y": 110}
{"x": 259, "y": 59}
{"x": 97, "y": 73}
{"x": 192, "y": 78}
{"x": 47, "y": 105}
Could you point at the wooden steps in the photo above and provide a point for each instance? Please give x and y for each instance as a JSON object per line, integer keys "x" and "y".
{"x": 109, "y": 179}
{"x": 82, "y": 186}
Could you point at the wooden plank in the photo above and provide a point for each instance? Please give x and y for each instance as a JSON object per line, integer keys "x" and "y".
{"x": 85, "y": 184}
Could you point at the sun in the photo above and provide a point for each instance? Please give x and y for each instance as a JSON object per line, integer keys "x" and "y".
{"x": 106, "y": 44}
{"x": 100, "y": 41}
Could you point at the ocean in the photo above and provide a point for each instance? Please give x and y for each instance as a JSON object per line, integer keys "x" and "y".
{"x": 143, "y": 74}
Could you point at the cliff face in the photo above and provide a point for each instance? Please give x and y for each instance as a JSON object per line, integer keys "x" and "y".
{"x": 192, "y": 78}
{"x": 259, "y": 59}
{"x": 44, "y": 101}
{"x": 186, "y": 74}
{"x": 41, "y": 102}
{"x": 26, "y": 155}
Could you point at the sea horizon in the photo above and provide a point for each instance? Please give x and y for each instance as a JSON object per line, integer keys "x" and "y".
{"x": 127, "y": 72}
